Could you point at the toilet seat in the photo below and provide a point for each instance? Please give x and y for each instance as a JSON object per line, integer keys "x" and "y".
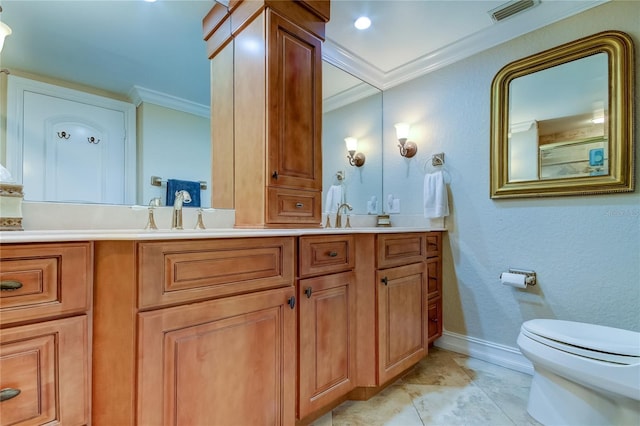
{"x": 597, "y": 342}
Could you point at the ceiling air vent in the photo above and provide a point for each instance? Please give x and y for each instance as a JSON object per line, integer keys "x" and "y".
{"x": 509, "y": 9}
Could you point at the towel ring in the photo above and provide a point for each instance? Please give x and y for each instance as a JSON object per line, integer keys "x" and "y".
{"x": 437, "y": 160}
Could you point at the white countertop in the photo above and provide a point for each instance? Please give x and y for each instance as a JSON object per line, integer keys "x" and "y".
{"x": 133, "y": 234}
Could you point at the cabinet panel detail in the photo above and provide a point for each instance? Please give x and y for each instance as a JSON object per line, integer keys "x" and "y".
{"x": 434, "y": 244}
{"x": 173, "y": 272}
{"x": 401, "y": 318}
{"x": 291, "y": 206}
{"x": 434, "y": 315}
{"x": 245, "y": 370}
{"x": 400, "y": 249}
{"x": 48, "y": 363}
{"x": 326, "y": 254}
{"x": 327, "y": 340}
{"x": 49, "y": 280}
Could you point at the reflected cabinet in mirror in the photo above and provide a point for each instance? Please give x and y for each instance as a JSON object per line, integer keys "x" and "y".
{"x": 562, "y": 120}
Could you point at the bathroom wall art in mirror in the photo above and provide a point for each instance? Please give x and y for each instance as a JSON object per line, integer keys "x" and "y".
{"x": 562, "y": 120}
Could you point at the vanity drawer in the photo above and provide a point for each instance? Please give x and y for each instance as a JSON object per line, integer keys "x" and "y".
{"x": 290, "y": 206}
{"x": 173, "y": 272}
{"x": 45, "y": 366}
{"x": 401, "y": 249}
{"x": 320, "y": 255}
{"x": 44, "y": 280}
{"x": 434, "y": 244}
{"x": 434, "y": 273}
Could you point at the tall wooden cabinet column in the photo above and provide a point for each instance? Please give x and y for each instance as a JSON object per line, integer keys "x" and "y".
{"x": 270, "y": 53}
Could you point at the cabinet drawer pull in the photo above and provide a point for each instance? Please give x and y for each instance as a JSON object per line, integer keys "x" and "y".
{"x": 275, "y": 175}
{"x": 308, "y": 292}
{"x": 292, "y": 302}
{"x": 433, "y": 319}
{"x": 333, "y": 253}
{"x": 10, "y": 285}
{"x": 8, "y": 393}
{"x": 299, "y": 205}
{"x": 384, "y": 281}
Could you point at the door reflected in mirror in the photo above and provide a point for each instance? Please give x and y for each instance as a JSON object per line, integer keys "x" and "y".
{"x": 562, "y": 120}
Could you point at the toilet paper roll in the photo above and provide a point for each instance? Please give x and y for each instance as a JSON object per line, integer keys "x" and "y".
{"x": 513, "y": 280}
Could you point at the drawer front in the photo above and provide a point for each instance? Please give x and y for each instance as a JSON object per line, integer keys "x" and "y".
{"x": 434, "y": 317}
{"x": 176, "y": 272}
{"x": 289, "y": 206}
{"x": 434, "y": 244}
{"x": 44, "y": 280}
{"x": 434, "y": 272}
{"x": 45, "y": 373}
{"x": 326, "y": 254}
{"x": 401, "y": 249}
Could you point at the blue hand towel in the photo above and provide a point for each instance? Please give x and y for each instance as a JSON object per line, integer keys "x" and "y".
{"x": 192, "y": 187}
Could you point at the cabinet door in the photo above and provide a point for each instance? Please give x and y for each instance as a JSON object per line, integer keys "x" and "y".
{"x": 327, "y": 340}
{"x": 219, "y": 362}
{"x": 402, "y": 319}
{"x": 295, "y": 106}
{"x": 45, "y": 373}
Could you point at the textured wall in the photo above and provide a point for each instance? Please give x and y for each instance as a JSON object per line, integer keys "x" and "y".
{"x": 585, "y": 249}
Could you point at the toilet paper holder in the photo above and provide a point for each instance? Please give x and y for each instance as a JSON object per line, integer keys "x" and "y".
{"x": 530, "y": 276}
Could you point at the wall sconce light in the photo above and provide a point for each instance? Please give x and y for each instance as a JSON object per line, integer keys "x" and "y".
{"x": 355, "y": 159}
{"x": 407, "y": 149}
{"x": 4, "y": 31}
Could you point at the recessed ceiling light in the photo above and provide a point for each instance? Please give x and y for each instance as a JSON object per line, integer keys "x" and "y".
{"x": 362, "y": 23}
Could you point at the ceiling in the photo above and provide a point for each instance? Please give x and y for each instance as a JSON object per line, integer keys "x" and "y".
{"x": 157, "y": 47}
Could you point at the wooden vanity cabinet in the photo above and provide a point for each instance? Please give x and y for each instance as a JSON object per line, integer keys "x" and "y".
{"x": 205, "y": 332}
{"x": 275, "y": 125}
{"x": 401, "y": 278}
{"x": 398, "y": 290}
{"x": 326, "y": 326}
{"x": 45, "y": 352}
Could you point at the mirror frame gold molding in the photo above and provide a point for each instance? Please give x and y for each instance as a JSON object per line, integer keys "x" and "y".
{"x": 620, "y": 50}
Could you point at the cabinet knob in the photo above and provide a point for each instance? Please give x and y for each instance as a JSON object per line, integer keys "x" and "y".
{"x": 8, "y": 393}
{"x": 10, "y": 285}
{"x": 384, "y": 281}
{"x": 292, "y": 302}
{"x": 433, "y": 319}
{"x": 308, "y": 292}
{"x": 333, "y": 253}
{"x": 299, "y": 205}
{"x": 275, "y": 175}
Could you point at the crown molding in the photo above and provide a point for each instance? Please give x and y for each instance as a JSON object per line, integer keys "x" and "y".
{"x": 544, "y": 14}
{"x": 348, "y": 96}
{"x": 139, "y": 94}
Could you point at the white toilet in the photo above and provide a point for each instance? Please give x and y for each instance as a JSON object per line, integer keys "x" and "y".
{"x": 584, "y": 374}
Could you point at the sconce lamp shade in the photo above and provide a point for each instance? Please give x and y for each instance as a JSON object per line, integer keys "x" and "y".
{"x": 355, "y": 159}
{"x": 402, "y": 130}
{"x": 352, "y": 144}
{"x": 4, "y": 31}
{"x": 407, "y": 149}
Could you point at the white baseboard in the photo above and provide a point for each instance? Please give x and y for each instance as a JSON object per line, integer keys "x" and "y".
{"x": 494, "y": 353}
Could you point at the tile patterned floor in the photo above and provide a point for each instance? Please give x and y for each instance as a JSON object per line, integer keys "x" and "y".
{"x": 446, "y": 389}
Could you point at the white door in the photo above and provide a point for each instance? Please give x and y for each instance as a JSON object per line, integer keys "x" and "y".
{"x": 73, "y": 152}
{"x": 72, "y": 146}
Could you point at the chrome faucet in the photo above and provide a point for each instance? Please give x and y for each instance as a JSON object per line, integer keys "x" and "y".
{"x": 339, "y": 217}
{"x": 182, "y": 196}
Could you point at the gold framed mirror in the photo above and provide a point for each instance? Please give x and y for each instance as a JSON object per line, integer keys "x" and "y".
{"x": 562, "y": 120}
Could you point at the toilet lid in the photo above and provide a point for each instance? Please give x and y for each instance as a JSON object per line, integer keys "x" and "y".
{"x": 590, "y": 337}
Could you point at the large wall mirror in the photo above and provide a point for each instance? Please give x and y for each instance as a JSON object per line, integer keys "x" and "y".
{"x": 562, "y": 120}
{"x": 351, "y": 109}
{"x": 108, "y": 48}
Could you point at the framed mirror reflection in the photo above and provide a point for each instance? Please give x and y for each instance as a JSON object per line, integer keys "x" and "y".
{"x": 562, "y": 120}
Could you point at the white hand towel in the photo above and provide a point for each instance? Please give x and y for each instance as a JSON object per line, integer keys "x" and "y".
{"x": 334, "y": 199}
{"x": 436, "y": 203}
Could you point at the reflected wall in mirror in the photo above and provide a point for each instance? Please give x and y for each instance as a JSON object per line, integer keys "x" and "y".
{"x": 562, "y": 120}
{"x": 122, "y": 50}
{"x": 351, "y": 108}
